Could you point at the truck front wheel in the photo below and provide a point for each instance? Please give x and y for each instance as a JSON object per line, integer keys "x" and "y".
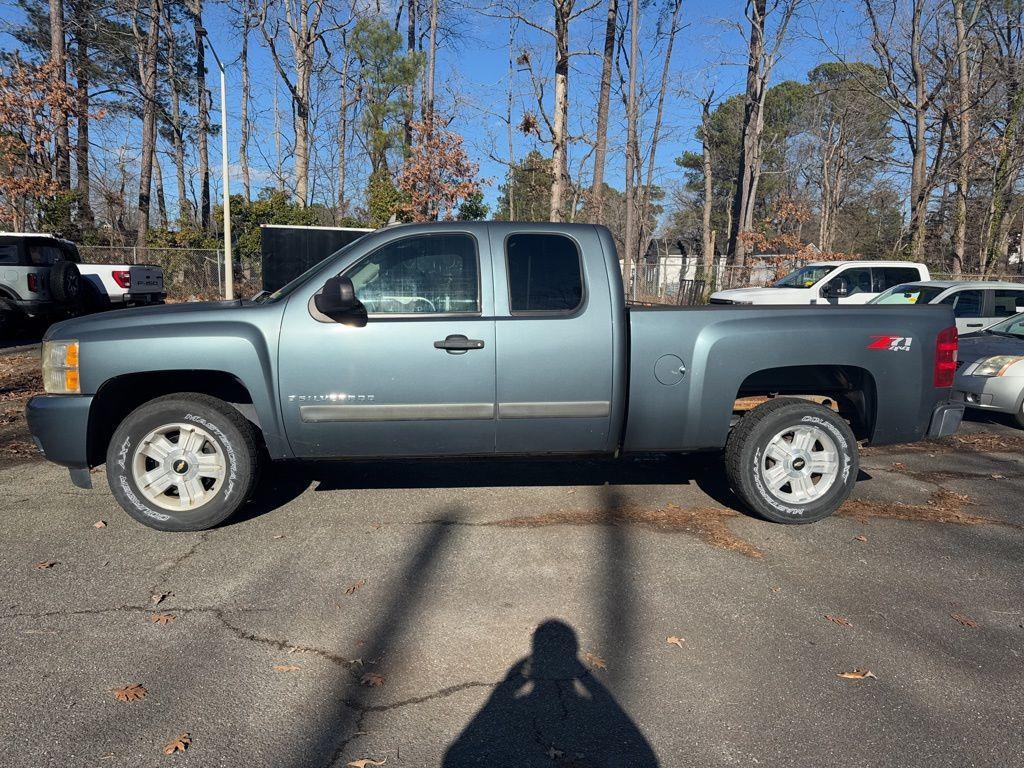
{"x": 792, "y": 461}
{"x": 183, "y": 462}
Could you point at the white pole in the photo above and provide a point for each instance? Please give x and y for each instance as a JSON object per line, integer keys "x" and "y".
{"x": 229, "y": 267}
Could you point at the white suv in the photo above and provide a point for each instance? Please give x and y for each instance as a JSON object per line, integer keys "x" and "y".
{"x": 829, "y": 282}
{"x": 976, "y": 305}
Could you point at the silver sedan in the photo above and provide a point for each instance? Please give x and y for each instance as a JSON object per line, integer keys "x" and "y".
{"x": 990, "y": 371}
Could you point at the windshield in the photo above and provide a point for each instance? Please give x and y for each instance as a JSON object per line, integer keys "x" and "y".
{"x": 908, "y": 294}
{"x": 1013, "y": 326}
{"x": 286, "y": 290}
{"x": 804, "y": 277}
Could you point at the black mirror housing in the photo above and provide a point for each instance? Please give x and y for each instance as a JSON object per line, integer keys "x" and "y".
{"x": 337, "y": 300}
{"x": 837, "y": 288}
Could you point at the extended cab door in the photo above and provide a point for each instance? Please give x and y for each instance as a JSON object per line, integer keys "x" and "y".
{"x": 418, "y": 379}
{"x": 554, "y": 339}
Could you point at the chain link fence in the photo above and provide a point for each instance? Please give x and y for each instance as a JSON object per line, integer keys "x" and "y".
{"x": 190, "y": 274}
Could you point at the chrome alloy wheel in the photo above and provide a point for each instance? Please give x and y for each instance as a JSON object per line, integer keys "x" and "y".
{"x": 179, "y": 467}
{"x": 800, "y": 464}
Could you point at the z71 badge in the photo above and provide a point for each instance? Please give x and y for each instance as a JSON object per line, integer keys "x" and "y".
{"x": 891, "y": 343}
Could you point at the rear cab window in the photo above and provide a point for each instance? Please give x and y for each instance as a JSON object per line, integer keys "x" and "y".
{"x": 545, "y": 274}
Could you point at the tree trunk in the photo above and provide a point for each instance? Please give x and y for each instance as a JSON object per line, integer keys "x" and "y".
{"x": 185, "y": 210}
{"x": 603, "y": 103}
{"x": 410, "y": 7}
{"x": 510, "y": 105}
{"x": 428, "y": 94}
{"x": 753, "y": 124}
{"x": 58, "y": 58}
{"x": 149, "y": 106}
{"x": 203, "y": 127}
{"x": 632, "y": 152}
{"x": 158, "y": 181}
{"x": 963, "y": 165}
{"x": 707, "y": 234}
{"x": 560, "y": 127}
{"x": 919, "y": 191}
{"x": 82, "y": 64}
{"x": 278, "y": 163}
{"x": 343, "y": 132}
{"x": 243, "y": 129}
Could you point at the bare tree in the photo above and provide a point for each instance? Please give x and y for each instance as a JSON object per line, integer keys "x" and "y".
{"x": 82, "y": 64}
{"x": 185, "y": 212}
{"x": 603, "y": 104}
{"x": 203, "y": 109}
{"x": 632, "y": 146}
{"x": 966, "y": 74}
{"x": 148, "y": 50}
{"x": 246, "y": 11}
{"x": 707, "y": 206}
{"x": 763, "y": 53}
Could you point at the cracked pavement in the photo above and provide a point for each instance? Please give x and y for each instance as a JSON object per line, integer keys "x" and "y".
{"x": 517, "y": 613}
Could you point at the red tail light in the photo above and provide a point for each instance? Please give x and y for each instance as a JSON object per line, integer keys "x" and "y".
{"x": 33, "y": 282}
{"x": 945, "y": 358}
{"x": 123, "y": 278}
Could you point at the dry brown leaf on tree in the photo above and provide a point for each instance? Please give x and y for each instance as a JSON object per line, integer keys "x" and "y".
{"x": 133, "y": 692}
{"x": 961, "y": 619}
{"x": 594, "y": 660}
{"x": 673, "y": 640}
{"x": 839, "y": 620}
{"x": 179, "y": 744}
{"x": 355, "y": 587}
{"x": 163, "y": 618}
{"x": 363, "y": 762}
{"x": 287, "y": 667}
{"x": 857, "y": 674}
{"x": 45, "y": 565}
{"x": 372, "y": 680}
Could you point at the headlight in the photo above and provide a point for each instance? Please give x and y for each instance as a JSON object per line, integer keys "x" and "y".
{"x": 60, "y": 367}
{"x": 996, "y": 366}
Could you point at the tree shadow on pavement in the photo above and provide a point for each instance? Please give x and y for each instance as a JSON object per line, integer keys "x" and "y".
{"x": 550, "y": 711}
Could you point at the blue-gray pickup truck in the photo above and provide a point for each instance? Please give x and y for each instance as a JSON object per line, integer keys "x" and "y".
{"x": 483, "y": 339}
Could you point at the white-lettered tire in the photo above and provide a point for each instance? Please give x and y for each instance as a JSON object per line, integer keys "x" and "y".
{"x": 183, "y": 462}
{"x": 792, "y": 461}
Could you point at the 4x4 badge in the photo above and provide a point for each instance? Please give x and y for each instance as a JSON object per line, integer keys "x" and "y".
{"x": 891, "y": 343}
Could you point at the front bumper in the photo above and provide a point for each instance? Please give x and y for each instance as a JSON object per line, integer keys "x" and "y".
{"x": 945, "y": 419}
{"x": 60, "y": 428}
{"x": 991, "y": 393}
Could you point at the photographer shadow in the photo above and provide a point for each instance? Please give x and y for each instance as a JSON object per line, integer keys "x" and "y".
{"x": 550, "y": 711}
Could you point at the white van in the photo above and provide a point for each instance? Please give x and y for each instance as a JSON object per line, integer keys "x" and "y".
{"x": 829, "y": 282}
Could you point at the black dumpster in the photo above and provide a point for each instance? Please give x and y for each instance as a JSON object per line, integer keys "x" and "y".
{"x": 287, "y": 251}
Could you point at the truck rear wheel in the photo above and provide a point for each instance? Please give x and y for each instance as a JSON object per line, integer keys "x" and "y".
{"x": 183, "y": 462}
{"x": 792, "y": 461}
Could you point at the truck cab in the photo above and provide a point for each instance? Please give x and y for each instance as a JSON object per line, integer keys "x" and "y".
{"x": 829, "y": 282}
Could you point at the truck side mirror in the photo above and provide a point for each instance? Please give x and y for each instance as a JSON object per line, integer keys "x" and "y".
{"x": 337, "y": 299}
{"x": 836, "y": 288}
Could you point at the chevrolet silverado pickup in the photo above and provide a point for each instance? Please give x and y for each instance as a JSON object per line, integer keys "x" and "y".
{"x": 482, "y": 339}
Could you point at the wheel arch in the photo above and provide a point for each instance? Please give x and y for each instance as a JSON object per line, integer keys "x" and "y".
{"x": 120, "y": 395}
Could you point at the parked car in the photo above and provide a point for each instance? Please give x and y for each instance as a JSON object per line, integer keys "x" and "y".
{"x": 482, "y": 339}
{"x": 990, "y": 372}
{"x": 42, "y": 276}
{"x": 975, "y": 304}
{"x": 842, "y": 282}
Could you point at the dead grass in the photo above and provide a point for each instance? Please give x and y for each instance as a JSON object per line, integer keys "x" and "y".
{"x": 944, "y": 506}
{"x": 20, "y": 379}
{"x": 705, "y": 523}
{"x": 977, "y": 442}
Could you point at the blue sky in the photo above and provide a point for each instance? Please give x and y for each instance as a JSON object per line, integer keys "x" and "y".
{"x": 473, "y": 76}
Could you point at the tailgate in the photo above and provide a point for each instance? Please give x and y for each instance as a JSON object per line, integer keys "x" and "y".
{"x": 146, "y": 279}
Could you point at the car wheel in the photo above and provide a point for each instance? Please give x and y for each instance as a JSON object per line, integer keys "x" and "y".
{"x": 65, "y": 283}
{"x": 183, "y": 462}
{"x": 792, "y": 461}
{"x": 1019, "y": 415}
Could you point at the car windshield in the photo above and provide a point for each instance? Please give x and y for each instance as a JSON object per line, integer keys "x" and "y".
{"x": 908, "y": 294}
{"x": 804, "y": 277}
{"x": 1012, "y": 326}
{"x": 286, "y": 290}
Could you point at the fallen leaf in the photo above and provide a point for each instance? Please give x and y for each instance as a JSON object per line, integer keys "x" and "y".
{"x": 899, "y": 466}
{"x": 99, "y": 524}
{"x": 362, "y": 763}
{"x": 594, "y": 660}
{"x": 959, "y": 617}
{"x": 355, "y": 587}
{"x": 776, "y": 589}
{"x": 673, "y": 640}
{"x": 45, "y": 565}
{"x": 857, "y": 674}
{"x": 162, "y": 618}
{"x": 287, "y": 667}
{"x": 839, "y": 620}
{"x": 998, "y": 477}
{"x": 860, "y": 538}
{"x": 158, "y": 597}
{"x": 179, "y": 744}
{"x": 279, "y": 536}
{"x": 132, "y": 692}
{"x": 372, "y": 680}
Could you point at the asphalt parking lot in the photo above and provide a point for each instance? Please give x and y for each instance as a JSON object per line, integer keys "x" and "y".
{"x": 500, "y": 614}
